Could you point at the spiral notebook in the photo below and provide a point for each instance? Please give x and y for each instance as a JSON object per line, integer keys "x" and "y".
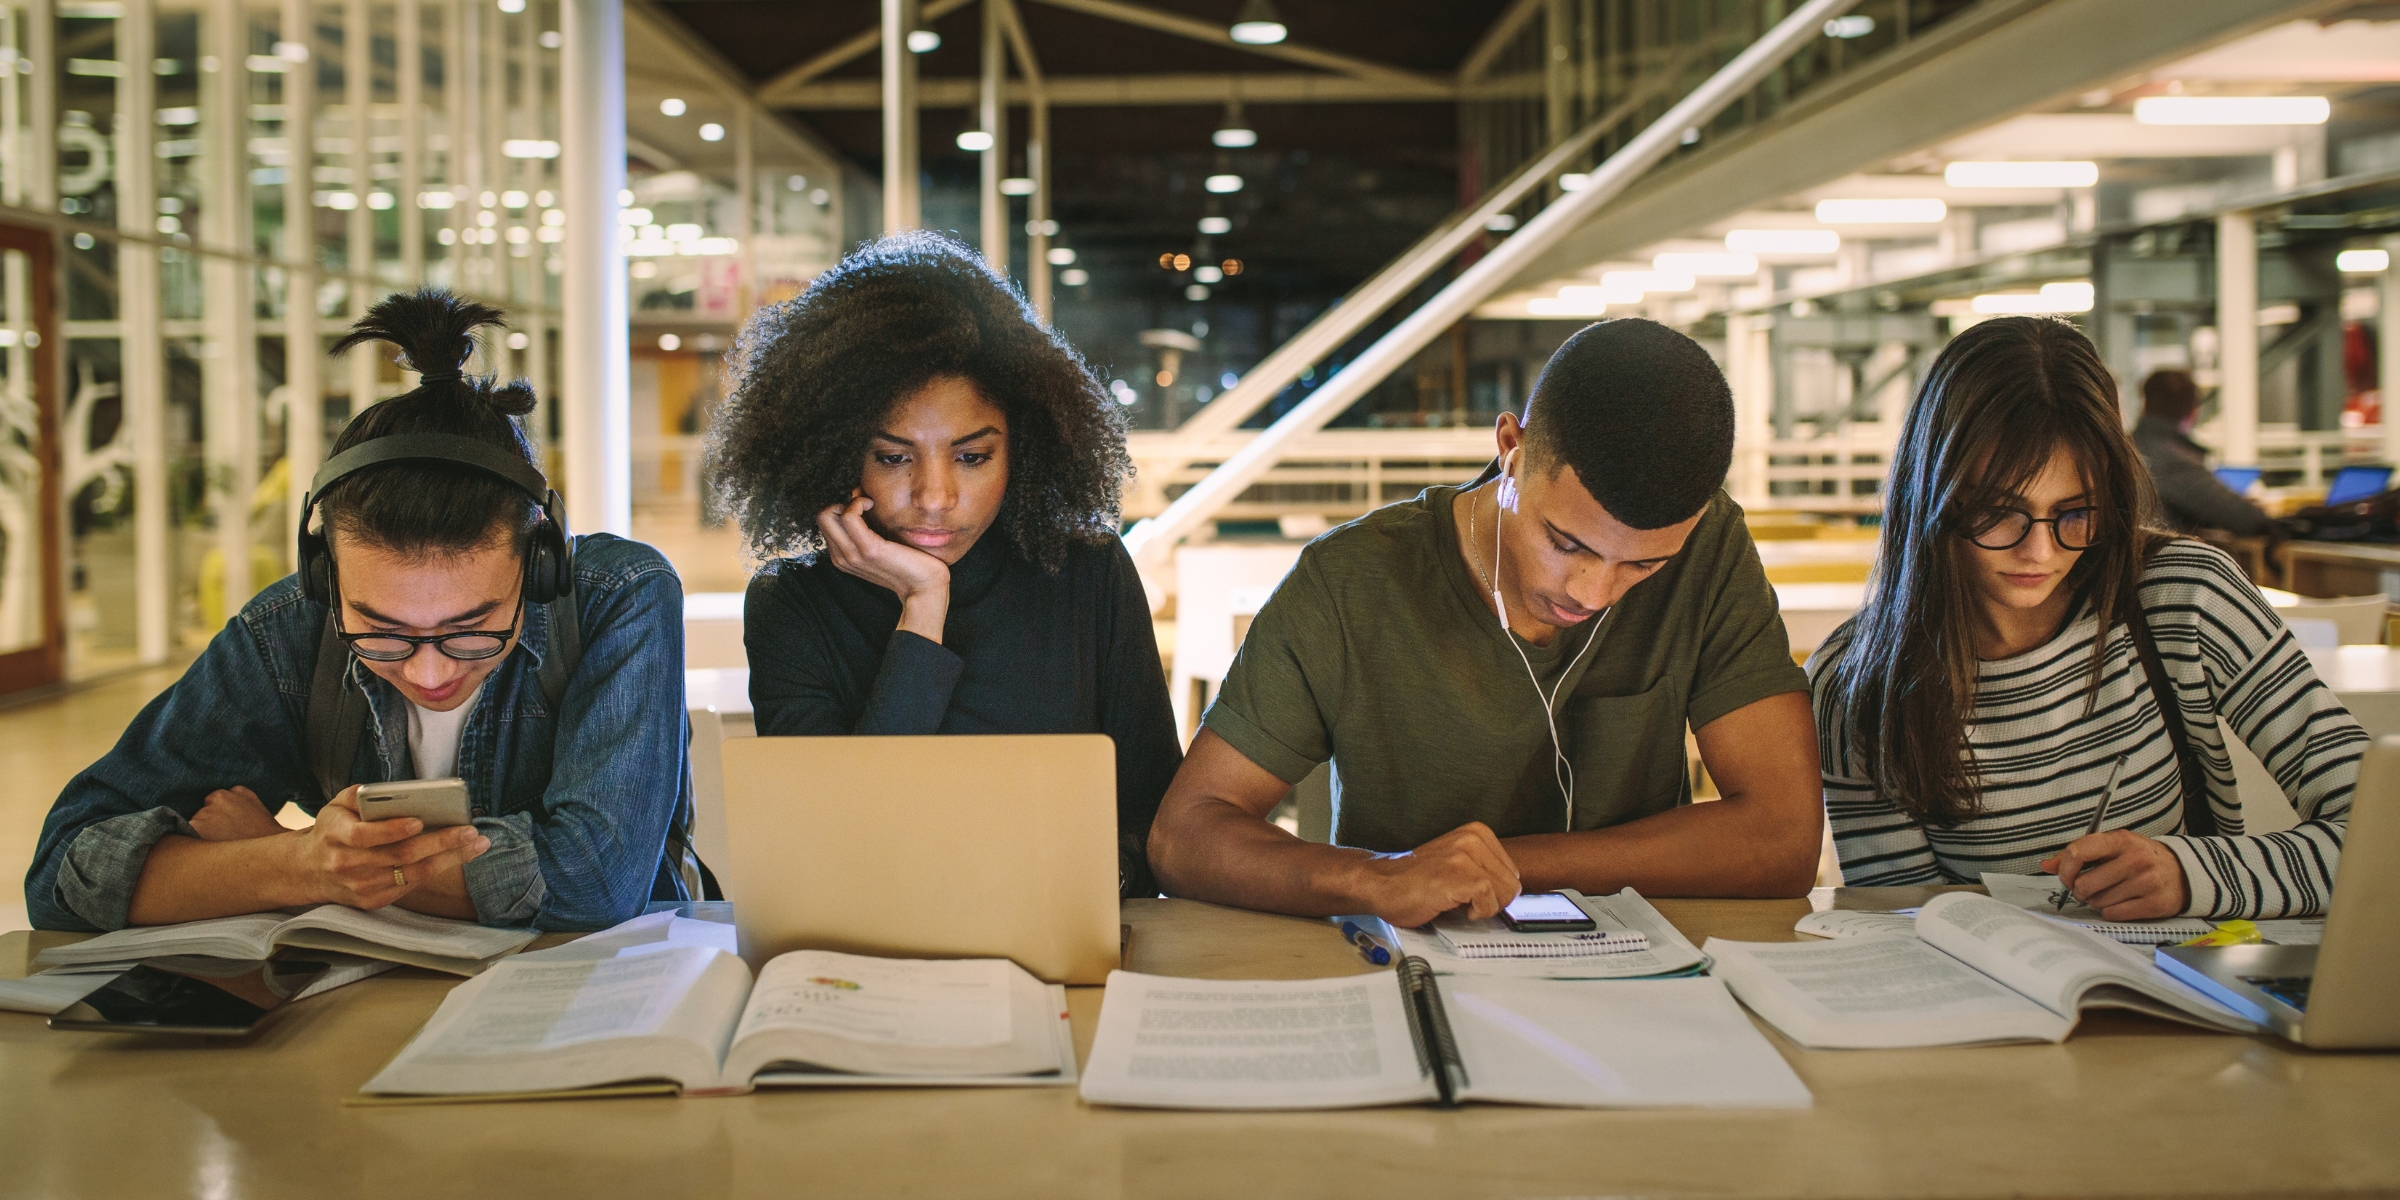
{"x": 1492, "y": 938}
{"x": 2039, "y": 893}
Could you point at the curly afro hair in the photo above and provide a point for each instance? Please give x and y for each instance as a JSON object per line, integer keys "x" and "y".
{"x": 814, "y": 377}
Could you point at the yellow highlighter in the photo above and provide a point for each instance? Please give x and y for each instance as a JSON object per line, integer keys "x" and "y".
{"x": 2229, "y": 933}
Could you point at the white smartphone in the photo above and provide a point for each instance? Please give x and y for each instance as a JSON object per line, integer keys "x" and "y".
{"x": 440, "y": 803}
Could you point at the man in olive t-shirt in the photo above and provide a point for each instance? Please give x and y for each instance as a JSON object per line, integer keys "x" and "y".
{"x": 1638, "y": 607}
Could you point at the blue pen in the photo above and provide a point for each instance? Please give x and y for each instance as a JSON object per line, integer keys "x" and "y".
{"x": 1369, "y": 946}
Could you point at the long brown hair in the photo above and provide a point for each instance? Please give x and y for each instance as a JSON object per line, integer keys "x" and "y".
{"x": 2000, "y": 399}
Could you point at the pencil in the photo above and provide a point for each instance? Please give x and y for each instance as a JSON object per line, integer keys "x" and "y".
{"x": 2107, "y": 798}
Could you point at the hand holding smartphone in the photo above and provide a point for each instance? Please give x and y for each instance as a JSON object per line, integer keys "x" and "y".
{"x": 439, "y": 803}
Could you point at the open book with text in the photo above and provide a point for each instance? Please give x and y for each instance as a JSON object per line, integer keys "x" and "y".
{"x": 390, "y": 934}
{"x": 1410, "y": 1036}
{"x": 1974, "y": 969}
{"x": 663, "y": 1004}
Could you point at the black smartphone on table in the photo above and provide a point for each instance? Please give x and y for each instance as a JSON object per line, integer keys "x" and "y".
{"x": 189, "y": 993}
{"x": 1547, "y": 912}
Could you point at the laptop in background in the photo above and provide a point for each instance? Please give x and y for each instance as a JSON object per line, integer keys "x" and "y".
{"x": 2239, "y": 479}
{"x": 926, "y": 847}
{"x": 2345, "y": 993}
{"x": 2357, "y": 483}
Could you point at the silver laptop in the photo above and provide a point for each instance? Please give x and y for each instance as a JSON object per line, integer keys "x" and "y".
{"x": 2345, "y": 993}
{"x": 926, "y": 847}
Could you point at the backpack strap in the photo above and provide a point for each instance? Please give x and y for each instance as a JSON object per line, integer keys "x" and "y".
{"x": 337, "y": 715}
{"x": 2199, "y": 820}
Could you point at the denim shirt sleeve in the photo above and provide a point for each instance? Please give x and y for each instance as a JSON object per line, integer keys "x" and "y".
{"x": 234, "y": 718}
{"x": 619, "y": 767}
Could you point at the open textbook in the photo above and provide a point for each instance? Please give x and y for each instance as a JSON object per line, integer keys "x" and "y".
{"x": 1667, "y": 953}
{"x": 1974, "y": 970}
{"x": 663, "y": 1004}
{"x": 391, "y": 934}
{"x": 1409, "y": 1036}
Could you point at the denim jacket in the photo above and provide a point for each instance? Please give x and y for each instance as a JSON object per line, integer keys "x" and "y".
{"x": 576, "y": 803}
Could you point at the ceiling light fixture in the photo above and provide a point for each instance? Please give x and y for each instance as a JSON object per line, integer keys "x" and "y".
{"x": 2363, "y": 262}
{"x": 1783, "y": 241}
{"x": 2070, "y": 297}
{"x": 1647, "y": 282}
{"x": 1075, "y": 278}
{"x": 712, "y": 132}
{"x": 1856, "y": 25}
{"x": 1216, "y": 225}
{"x": 672, "y": 106}
{"x": 1223, "y": 184}
{"x": 1881, "y": 212}
{"x": 1232, "y": 133}
{"x": 2232, "y": 110}
{"x": 1061, "y": 256}
{"x": 2021, "y": 174}
{"x": 974, "y": 141}
{"x": 1016, "y": 185}
{"x": 1725, "y": 265}
{"x": 1258, "y": 25}
{"x": 923, "y": 41}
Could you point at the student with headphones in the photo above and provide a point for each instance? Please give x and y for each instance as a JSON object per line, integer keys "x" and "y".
{"x": 442, "y": 623}
{"x": 1502, "y": 673}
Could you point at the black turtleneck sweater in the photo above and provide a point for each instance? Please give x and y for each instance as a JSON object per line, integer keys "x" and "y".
{"x": 1022, "y": 651}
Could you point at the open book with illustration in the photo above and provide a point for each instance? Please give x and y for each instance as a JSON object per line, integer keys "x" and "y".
{"x": 1974, "y": 969}
{"x": 390, "y": 934}
{"x": 1410, "y": 1036}
{"x": 662, "y": 1004}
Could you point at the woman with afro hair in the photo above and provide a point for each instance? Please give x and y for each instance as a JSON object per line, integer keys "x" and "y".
{"x": 932, "y": 477}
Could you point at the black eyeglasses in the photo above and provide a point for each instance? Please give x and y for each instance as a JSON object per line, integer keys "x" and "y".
{"x": 2001, "y": 528}
{"x": 469, "y": 645}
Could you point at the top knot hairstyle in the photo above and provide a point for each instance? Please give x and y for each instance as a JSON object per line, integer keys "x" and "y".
{"x": 814, "y": 377}
{"x": 1643, "y": 415}
{"x": 421, "y": 508}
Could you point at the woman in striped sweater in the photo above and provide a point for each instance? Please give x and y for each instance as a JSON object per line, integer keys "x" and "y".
{"x": 1970, "y": 714}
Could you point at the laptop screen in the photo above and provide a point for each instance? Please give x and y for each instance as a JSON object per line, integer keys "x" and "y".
{"x": 2357, "y": 483}
{"x": 2238, "y": 478}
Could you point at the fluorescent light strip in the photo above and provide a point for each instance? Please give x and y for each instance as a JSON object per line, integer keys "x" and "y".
{"x": 2021, "y": 174}
{"x": 2232, "y": 110}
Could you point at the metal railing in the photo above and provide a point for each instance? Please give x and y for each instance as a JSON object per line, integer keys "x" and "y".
{"x": 1636, "y": 129}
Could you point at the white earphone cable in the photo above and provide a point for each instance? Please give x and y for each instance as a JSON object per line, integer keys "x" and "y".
{"x": 1562, "y": 771}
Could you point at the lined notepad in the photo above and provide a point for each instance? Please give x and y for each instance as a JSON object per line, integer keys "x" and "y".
{"x": 1492, "y": 938}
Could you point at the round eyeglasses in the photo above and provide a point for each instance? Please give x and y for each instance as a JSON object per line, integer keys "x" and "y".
{"x": 467, "y": 645}
{"x": 2001, "y": 528}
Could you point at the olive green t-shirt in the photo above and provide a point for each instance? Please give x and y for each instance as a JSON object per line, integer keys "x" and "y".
{"x": 1377, "y": 652}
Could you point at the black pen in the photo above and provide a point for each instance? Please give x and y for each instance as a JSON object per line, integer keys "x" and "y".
{"x": 2107, "y": 798}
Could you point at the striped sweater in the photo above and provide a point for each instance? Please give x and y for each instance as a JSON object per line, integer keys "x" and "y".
{"x": 2043, "y": 745}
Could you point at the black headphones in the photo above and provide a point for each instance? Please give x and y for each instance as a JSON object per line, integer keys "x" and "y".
{"x": 549, "y": 557}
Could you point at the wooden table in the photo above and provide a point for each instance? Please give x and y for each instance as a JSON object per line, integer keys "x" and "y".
{"x": 2128, "y": 1106}
{"x": 2338, "y": 568}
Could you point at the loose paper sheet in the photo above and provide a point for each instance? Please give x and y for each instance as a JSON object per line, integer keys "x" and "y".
{"x": 1257, "y": 1044}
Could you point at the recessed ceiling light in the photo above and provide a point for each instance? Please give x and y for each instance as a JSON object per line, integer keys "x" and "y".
{"x": 974, "y": 141}
{"x": 2021, "y": 174}
{"x": 1881, "y": 212}
{"x": 712, "y": 132}
{"x": 1216, "y": 225}
{"x": 672, "y": 106}
{"x": 1221, "y": 184}
{"x": 923, "y": 41}
{"x": 2232, "y": 110}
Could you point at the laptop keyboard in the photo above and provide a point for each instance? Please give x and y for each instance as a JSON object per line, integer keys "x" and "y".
{"x": 2291, "y": 989}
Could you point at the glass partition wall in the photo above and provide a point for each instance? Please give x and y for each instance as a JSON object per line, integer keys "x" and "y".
{"x": 228, "y": 186}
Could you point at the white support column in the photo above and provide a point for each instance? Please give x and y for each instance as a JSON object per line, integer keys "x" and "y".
{"x": 901, "y": 205}
{"x": 41, "y": 106}
{"x": 358, "y": 104}
{"x": 991, "y": 112}
{"x": 303, "y": 347}
{"x": 2387, "y": 341}
{"x": 1037, "y": 246}
{"x": 229, "y": 331}
{"x": 597, "y": 430}
{"x": 745, "y": 227}
{"x": 2237, "y": 336}
{"x": 411, "y": 88}
{"x": 143, "y": 357}
{"x": 1751, "y": 376}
